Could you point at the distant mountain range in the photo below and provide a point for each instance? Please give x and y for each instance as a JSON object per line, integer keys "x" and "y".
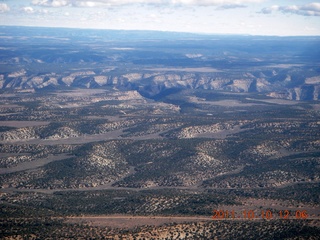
{"x": 157, "y": 63}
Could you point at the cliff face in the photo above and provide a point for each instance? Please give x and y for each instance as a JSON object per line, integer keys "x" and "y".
{"x": 279, "y": 84}
{"x": 304, "y": 92}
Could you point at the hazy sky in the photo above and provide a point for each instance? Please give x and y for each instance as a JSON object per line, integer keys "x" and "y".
{"x": 261, "y": 17}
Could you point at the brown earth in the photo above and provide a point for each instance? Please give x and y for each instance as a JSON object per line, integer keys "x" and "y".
{"x": 128, "y": 221}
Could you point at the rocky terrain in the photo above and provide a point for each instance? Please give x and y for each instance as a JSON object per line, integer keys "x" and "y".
{"x": 146, "y": 127}
{"x": 122, "y": 139}
{"x": 276, "y": 83}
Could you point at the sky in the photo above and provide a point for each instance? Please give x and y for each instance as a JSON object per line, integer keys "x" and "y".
{"x": 255, "y": 17}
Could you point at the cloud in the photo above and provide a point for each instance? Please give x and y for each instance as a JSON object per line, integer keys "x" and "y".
{"x": 311, "y": 9}
{"x": 51, "y": 3}
{"x": 28, "y": 9}
{"x": 4, "y": 8}
{"x": 109, "y": 3}
{"x": 231, "y": 6}
{"x": 43, "y": 11}
{"x": 88, "y": 4}
{"x": 94, "y": 3}
{"x": 270, "y": 9}
{"x": 230, "y": 3}
{"x": 31, "y": 10}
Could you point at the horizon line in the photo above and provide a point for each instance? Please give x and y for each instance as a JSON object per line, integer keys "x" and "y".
{"x": 163, "y": 31}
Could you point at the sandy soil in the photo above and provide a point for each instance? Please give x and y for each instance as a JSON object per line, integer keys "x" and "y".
{"x": 223, "y": 103}
{"x": 20, "y": 124}
{"x": 80, "y": 92}
{"x": 116, "y": 134}
{"x": 34, "y": 164}
{"x": 276, "y": 101}
{"x": 128, "y": 221}
{"x": 203, "y": 69}
{"x": 222, "y": 134}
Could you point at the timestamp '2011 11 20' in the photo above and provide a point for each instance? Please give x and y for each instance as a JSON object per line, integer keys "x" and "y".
{"x": 263, "y": 214}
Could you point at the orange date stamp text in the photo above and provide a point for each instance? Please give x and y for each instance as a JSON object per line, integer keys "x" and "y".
{"x": 261, "y": 214}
